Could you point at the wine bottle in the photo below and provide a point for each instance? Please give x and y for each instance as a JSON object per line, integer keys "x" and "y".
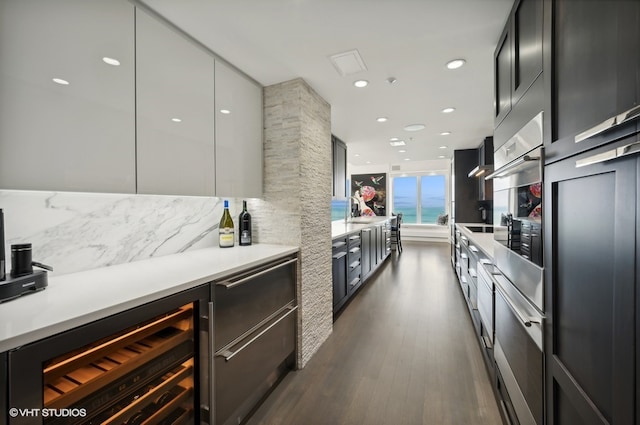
{"x": 245, "y": 225}
{"x": 225, "y": 229}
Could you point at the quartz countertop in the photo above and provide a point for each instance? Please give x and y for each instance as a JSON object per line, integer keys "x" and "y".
{"x": 342, "y": 228}
{"x": 483, "y": 241}
{"x": 75, "y": 299}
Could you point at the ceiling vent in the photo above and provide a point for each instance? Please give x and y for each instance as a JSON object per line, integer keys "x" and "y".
{"x": 395, "y": 168}
{"x": 348, "y": 63}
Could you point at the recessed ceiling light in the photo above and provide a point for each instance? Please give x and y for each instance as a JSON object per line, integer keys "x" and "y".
{"x": 402, "y": 150}
{"x": 456, "y": 63}
{"x": 407, "y": 159}
{"x": 391, "y": 80}
{"x": 381, "y": 119}
{"x": 414, "y": 127}
{"x": 441, "y": 156}
{"x": 356, "y": 155}
{"x": 443, "y": 147}
{"x": 368, "y": 162}
{"x": 361, "y": 83}
{"x": 176, "y": 120}
{"x": 111, "y": 61}
{"x": 225, "y": 111}
{"x": 397, "y": 143}
{"x": 445, "y": 133}
{"x": 448, "y": 110}
{"x": 61, "y": 81}
{"x": 393, "y": 139}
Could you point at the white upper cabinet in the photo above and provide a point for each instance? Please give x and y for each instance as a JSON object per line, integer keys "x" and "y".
{"x": 77, "y": 134}
{"x": 238, "y": 134}
{"x": 175, "y": 111}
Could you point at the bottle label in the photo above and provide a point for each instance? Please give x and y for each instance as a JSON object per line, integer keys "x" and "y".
{"x": 245, "y": 237}
{"x": 226, "y": 236}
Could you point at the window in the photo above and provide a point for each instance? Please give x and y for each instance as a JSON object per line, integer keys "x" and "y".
{"x": 420, "y": 199}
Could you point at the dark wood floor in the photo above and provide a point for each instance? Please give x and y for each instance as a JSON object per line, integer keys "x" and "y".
{"x": 402, "y": 352}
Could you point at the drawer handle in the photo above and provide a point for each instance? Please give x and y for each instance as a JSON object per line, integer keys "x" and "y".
{"x": 231, "y": 284}
{"x": 339, "y": 256}
{"x": 612, "y": 122}
{"x": 473, "y": 248}
{"x": 354, "y": 265}
{"x": 354, "y": 238}
{"x": 527, "y": 321}
{"x": 630, "y": 149}
{"x": 228, "y": 354}
{"x": 354, "y": 250}
{"x": 338, "y": 245}
{"x": 464, "y": 256}
{"x": 354, "y": 282}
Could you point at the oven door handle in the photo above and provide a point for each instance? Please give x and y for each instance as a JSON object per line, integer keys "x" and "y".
{"x": 527, "y": 321}
{"x": 609, "y": 123}
{"x": 630, "y": 149}
{"x": 505, "y": 170}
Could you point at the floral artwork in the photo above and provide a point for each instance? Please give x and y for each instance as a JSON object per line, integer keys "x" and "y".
{"x": 370, "y": 192}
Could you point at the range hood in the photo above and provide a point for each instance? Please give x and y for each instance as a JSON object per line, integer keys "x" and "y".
{"x": 480, "y": 170}
{"x": 485, "y": 159}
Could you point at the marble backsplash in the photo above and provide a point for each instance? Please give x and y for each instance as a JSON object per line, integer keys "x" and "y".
{"x": 79, "y": 231}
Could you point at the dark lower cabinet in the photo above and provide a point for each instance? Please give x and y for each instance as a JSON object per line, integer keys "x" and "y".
{"x": 339, "y": 271}
{"x": 366, "y": 253}
{"x": 591, "y": 257}
{"x": 3, "y": 388}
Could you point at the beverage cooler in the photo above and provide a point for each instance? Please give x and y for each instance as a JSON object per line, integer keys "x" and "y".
{"x": 142, "y": 366}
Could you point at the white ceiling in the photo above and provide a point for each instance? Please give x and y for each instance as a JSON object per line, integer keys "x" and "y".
{"x": 278, "y": 40}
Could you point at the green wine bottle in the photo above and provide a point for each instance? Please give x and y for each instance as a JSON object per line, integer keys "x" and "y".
{"x": 225, "y": 230}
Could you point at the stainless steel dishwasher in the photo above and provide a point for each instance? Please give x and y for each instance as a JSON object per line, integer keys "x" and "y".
{"x": 254, "y": 336}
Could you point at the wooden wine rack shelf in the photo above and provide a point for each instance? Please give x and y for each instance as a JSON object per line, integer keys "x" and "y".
{"x": 70, "y": 380}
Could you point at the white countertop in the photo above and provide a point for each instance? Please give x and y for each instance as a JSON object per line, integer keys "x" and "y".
{"x": 483, "y": 241}
{"x": 340, "y": 228}
{"x": 78, "y": 298}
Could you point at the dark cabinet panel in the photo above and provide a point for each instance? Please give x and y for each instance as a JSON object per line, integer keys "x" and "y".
{"x": 590, "y": 247}
{"x": 596, "y": 50}
{"x": 339, "y": 181}
{"x": 527, "y": 45}
{"x": 502, "y": 63}
{"x": 339, "y": 271}
{"x": 4, "y": 388}
{"x": 365, "y": 258}
{"x": 466, "y": 193}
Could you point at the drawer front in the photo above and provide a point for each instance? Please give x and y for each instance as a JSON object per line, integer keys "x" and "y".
{"x": 355, "y": 254}
{"x": 244, "y": 301}
{"x": 354, "y": 278}
{"x": 354, "y": 240}
{"x": 243, "y": 373}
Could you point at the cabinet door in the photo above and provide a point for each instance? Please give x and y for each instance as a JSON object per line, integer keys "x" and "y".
{"x": 339, "y": 270}
{"x": 590, "y": 253}
{"x": 595, "y": 74}
{"x": 527, "y": 46}
{"x": 366, "y": 252}
{"x": 238, "y": 106}
{"x": 502, "y": 65}
{"x": 339, "y": 168}
{"x": 175, "y": 111}
{"x": 77, "y": 134}
{"x": 4, "y": 385}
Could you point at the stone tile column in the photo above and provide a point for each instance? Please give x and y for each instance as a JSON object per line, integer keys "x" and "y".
{"x": 296, "y": 206}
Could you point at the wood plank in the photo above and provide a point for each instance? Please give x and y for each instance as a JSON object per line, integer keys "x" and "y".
{"x": 402, "y": 352}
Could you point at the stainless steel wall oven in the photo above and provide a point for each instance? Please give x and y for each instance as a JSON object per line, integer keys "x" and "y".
{"x": 519, "y": 287}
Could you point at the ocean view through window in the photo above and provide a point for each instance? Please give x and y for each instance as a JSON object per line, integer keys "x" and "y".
{"x": 420, "y": 199}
